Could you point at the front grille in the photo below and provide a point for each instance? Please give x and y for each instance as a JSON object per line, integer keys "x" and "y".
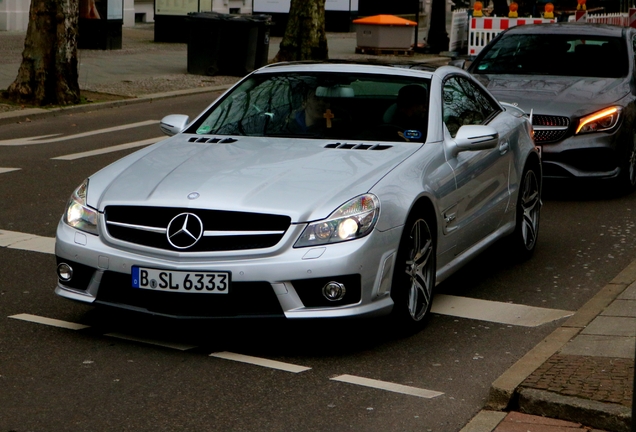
{"x": 546, "y": 120}
{"x": 549, "y": 128}
{"x": 223, "y": 230}
{"x": 546, "y": 136}
{"x": 245, "y": 299}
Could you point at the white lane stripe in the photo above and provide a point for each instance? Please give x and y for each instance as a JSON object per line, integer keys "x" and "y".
{"x": 497, "y": 312}
{"x": 272, "y": 364}
{"x": 389, "y": 386}
{"x": 49, "y": 321}
{"x": 112, "y": 149}
{"x": 6, "y": 170}
{"x": 173, "y": 345}
{"x": 28, "y": 242}
{"x": 45, "y": 139}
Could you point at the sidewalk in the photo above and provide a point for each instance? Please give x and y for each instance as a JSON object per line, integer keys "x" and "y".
{"x": 582, "y": 373}
{"x": 578, "y": 378}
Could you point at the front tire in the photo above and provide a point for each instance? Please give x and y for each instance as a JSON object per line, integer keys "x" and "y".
{"x": 414, "y": 275}
{"x": 627, "y": 176}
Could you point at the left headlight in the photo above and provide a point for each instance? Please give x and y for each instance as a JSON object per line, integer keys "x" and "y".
{"x": 354, "y": 219}
{"x": 602, "y": 120}
{"x": 78, "y": 214}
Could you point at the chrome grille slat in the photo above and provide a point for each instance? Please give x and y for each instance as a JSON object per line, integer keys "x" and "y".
{"x": 222, "y": 230}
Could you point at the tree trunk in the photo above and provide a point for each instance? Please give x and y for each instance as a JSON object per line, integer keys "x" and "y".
{"x": 48, "y": 73}
{"x": 305, "y": 37}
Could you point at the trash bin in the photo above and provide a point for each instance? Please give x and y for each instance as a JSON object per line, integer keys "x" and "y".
{"x": 227, "y": 44}
{"x": 204, "y": 42}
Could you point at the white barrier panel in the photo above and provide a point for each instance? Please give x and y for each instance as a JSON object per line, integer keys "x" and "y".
{"x": 459, "y": 30}
{"x": 483, "y": 30}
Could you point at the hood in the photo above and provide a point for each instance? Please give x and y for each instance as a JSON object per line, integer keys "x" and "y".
{"x": 554, "y": 95}
{"x": 299, "y": 178}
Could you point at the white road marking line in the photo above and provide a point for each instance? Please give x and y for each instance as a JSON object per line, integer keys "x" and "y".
{"x": 46, "y": 139}
{"x": 497, "y": 312}
{"x": 6, "y": 170}
{"x": 28, "y": 242}
{"x": 272, "y": 364}
{"x": 112, "y": 149}
{"x": 173, "y": 345}
{"x": 49, "y": 321}
{"x": 384, "y": 385}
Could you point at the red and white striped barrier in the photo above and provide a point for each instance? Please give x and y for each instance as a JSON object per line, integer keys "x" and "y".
{"x": 624, "y": 19}
{"x": 483, "y": 30}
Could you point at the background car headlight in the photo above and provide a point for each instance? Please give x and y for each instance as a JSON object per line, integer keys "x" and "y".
{"x": 599, "y": 121}
{"x": 78, "y": 214}
{"x": 352, "y": 220}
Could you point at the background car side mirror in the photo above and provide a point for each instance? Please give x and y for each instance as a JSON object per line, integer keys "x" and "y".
{"x": 174, "y": 124}
{"x": 460, "y": 63}
{"x": 476, "y": 137}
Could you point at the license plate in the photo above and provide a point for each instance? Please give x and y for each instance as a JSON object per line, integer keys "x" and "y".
{"x": 180, "y": 281}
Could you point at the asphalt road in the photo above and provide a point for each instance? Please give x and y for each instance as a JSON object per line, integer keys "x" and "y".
{"x": 136, "y": 373}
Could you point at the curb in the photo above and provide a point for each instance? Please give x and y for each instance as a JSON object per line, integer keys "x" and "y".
{"x": 505, "y": 391}
{"x": 39, "y": 113}
{"x": 610, "y": 417}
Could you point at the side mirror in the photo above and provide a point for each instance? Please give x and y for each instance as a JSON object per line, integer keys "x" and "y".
{"x": 476, "y": 137}
{"x": 460, "y": 63}
{"x": 174, "y": 124}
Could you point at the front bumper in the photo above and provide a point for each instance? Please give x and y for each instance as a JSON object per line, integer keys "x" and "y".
{"x": 279, "y": 281}
{"x": 591, "y": 156}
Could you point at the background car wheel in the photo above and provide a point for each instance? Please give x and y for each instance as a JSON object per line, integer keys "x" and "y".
{"x": 414, "y": 275}
{"x": 524, "y": 238}
{"x": 627, "y": 177}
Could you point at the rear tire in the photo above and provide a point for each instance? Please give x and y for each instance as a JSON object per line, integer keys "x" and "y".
{"x": 524, "y": 238}
{"x": 414, "y": 275}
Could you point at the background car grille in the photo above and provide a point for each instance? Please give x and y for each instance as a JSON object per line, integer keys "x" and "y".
{"x": 145, "y": 225}
{"x": 544, "y": 134}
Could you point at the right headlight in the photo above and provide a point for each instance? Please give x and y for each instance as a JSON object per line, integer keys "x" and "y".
{"x": 78, "y": 214}
{"x": 602, "y": 120}
{"x": 354, "y": 219}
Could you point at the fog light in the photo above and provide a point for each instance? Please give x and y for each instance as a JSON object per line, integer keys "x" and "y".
{"x": 64, "y": 272}
{"x": 334, "y": 291}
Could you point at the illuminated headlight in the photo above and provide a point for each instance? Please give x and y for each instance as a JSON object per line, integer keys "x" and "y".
{"x": 600, "y": 121}
{"x": 352, "y": 220}
{"x": 78, "y": 214}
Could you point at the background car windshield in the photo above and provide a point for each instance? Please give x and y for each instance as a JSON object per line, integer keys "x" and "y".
{"x": 327, "y": 105}
{"x": 550, "y": 54}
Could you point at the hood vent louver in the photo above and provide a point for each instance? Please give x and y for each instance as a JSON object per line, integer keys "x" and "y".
{"x": 349, "y": 146}
{"x": 212, "y": 140}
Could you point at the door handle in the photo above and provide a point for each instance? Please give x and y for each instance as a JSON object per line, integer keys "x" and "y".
{"x": 504, "y": 147}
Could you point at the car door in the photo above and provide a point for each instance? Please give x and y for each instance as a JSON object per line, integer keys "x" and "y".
{"x": 481, "y": 176}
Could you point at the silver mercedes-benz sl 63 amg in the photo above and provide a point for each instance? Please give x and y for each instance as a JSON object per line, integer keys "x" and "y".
{"x": 307, "y": 190}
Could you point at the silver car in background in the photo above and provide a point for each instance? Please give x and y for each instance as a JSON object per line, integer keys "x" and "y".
{"x": 308, "y": 190}
{"x": 578, "y": 80}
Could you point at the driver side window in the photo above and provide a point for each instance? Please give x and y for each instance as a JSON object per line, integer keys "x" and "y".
{"x": 464, "y": 103}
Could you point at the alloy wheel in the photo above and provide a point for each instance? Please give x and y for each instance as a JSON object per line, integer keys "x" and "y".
{"x": 530, "y": 206}
{"x": 420, "y": 269}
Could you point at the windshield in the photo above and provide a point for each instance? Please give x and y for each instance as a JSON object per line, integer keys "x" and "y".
{"x": 551, "y": 54}
{"x": 322, "y": 105}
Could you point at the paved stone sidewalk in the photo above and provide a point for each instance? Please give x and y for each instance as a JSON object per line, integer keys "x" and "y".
{"x": 602, "y": 379}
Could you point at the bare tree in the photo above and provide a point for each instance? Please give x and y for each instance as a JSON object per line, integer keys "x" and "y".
{"x": 305, "y": 37}
{"x": 48, "y": 73}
